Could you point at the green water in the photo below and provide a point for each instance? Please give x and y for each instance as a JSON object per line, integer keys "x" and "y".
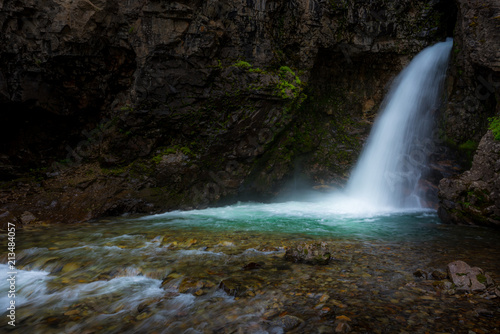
{"x": 222, "y": 270}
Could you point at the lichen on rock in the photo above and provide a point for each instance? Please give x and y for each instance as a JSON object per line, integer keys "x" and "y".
{"x": 309, "y": 252}
{"x": 467, "y": 278}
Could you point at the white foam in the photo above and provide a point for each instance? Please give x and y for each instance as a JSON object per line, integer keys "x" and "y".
{"x": 396, "y": 152}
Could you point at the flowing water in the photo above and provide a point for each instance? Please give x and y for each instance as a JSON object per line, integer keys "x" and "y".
{"x": 223, "y": 270}
{"x": 395, "y": 156}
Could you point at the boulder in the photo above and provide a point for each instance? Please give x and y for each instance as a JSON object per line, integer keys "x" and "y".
{"x": 473, "y": 197}
{"x": 311, "y": 253}
{"x": 467, "y": 278}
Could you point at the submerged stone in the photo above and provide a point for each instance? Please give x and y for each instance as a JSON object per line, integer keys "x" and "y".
{"x": 439, "y": 275}
{"x": 420, "y": 273}
{"x": 287, "y": 322}
{"x": 311, "y": 253}
{"x": 231, "y": 286}
{"x": 252, "y": 265}
{"x": 27, "y": 217}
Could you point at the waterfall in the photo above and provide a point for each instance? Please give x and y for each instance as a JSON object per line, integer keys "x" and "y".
{"x": 395, "y": 155}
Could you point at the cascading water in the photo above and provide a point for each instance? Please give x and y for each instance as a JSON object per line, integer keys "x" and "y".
{"x": 390, "y": 167}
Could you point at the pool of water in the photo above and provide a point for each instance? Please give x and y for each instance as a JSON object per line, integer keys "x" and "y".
{"x": 222, "y": 270}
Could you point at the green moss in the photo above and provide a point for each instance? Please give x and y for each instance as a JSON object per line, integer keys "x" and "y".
{"x": 467, "y": 149}
{"x": 289, "y": 85}
{"x": 172, "y": 150}
{"x": 157, "y": 159}
{"x": 257, "y": 70}
{"x": 186, "y": 151}
{"x": 141, "y": 168}
{"x": 127, "y": 108}
{"x": 481, "y": 278}
{"x": 38, "y": 174}
{"x": 495, "y": 126}
{"x": 468, "y": 145}
{"x": 114, "y": 171}
{"x": 248, "y": 67}
{"x": 242, "y": 64}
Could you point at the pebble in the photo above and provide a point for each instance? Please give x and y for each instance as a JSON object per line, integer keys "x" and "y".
{"x": 324, "y": 298}
{"x": 342, "y": 327}
{"x": 342, "y": 318}
{"x": 287, "y": 322}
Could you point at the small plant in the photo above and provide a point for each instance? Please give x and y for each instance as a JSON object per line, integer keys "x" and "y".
{"x": 157, "y": 159}
{"x": 114, "y": 171}
{"x": 287, "y": 88}
{"x": 186, "y": 150}
{"x": 127, "y": 108}
{"x": 469, "y": 145}
{"x": 481, "y": 278}
{"x": 257, "y": 70}
{"x": 172, "y": 150}
{"x": 495, "y": 126}
{"x": 242, "y": 64}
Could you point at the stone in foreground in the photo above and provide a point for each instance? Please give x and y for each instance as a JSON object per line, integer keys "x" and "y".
{"x": 467, "y": 278}
{"x": 311, "y": 253}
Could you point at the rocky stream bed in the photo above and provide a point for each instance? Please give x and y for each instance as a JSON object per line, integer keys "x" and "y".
{"x": 169, "y": 275}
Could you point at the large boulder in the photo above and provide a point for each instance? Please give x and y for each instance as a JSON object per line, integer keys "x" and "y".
{"x": 467, "y": 278}
{"x": 474, "y": 196}
{"x": 474, "y": 91}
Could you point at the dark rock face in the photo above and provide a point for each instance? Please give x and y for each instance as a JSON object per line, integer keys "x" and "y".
{"x": 474, "y": 84}
{"x": 474, "y": 95}
{"x": 147, "y": 106}
{"x": 474, "y": 196}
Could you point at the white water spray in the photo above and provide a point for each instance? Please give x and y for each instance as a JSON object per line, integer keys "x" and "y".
{"x": 392, "y": 162}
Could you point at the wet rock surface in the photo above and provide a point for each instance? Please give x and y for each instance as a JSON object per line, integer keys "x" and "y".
{"x": 473, "y": 86}
{"x": 474, "y": 196}
{"x": 467, "y": 278}
{"x": 473, "y": 89}
{"x": 312, "y": 253}
{"x": 461, "y": 278}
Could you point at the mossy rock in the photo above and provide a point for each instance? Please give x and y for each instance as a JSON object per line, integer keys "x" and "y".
{"x": 311, "y": 253}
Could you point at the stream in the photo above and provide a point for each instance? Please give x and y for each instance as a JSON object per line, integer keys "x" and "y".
{"x": 222, "y": 270}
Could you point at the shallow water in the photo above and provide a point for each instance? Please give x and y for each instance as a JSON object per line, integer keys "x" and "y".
{"x": 223, "y": 270}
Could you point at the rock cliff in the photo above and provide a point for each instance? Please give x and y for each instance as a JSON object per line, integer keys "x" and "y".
{"x": 474, "y": 97}
{"x": 145, "y": 105}
{"x": 474, "y": 196}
